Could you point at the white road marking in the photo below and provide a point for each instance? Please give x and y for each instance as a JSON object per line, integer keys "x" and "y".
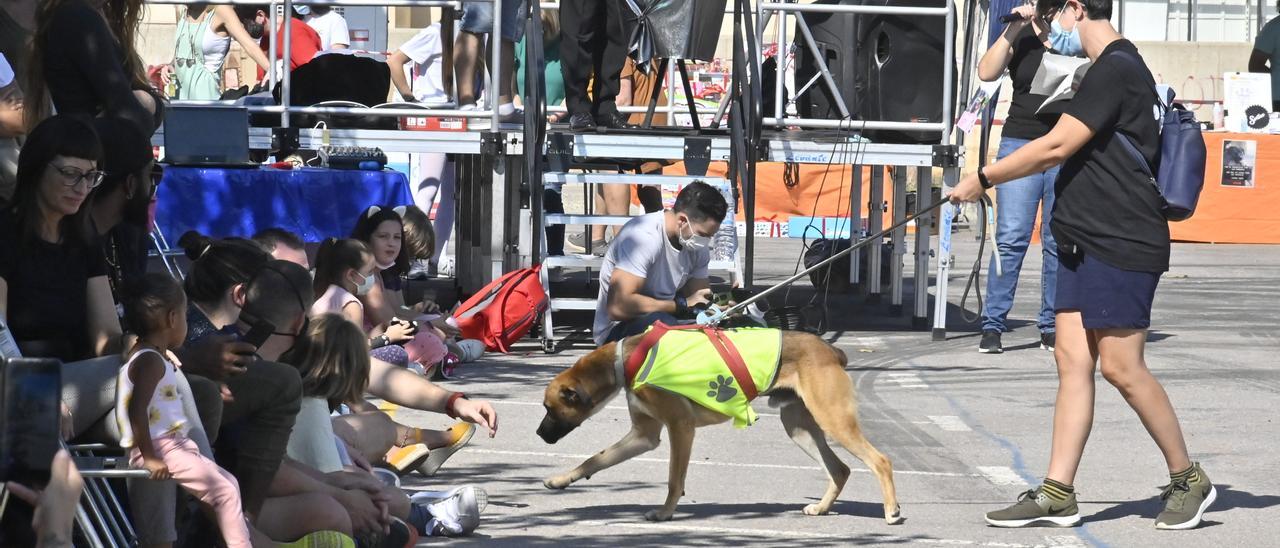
{"x": 780, "y": 533}
{"x": 571, "y": 456}
{"x": 907, "y": 380}
{"x": 950, "y": 423}
{"x": 624, "y": 408}
{"x": 1064, "y": 541}
{"x": 1001, "y": 475}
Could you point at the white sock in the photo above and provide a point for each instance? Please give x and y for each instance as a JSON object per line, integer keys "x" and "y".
{"x": 506, "y": 109}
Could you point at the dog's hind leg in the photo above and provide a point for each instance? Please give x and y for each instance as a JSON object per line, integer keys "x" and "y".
{"x": 830, "y": 399}
{"x": 645, "y": 434}
{"x": 806, "y": 433}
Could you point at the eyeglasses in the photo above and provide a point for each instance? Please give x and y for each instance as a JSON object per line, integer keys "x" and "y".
{"x": 72, "y": 177}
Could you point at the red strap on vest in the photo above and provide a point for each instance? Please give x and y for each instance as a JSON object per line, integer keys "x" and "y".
{"x": 723, "y": 345}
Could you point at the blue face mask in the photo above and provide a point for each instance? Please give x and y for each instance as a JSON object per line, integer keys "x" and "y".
{"x": 1065, "y": 42}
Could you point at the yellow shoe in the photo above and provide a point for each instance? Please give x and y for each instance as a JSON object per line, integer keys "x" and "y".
{"x": 321, "y": 539}
{"x": 462, "y": 432}
{"x": 404, "y": 459}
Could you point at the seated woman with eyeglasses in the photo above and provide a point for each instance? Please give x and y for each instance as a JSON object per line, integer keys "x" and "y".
{"x": 54, "y": 293}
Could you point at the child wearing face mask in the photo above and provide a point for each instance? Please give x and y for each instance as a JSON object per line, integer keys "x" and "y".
{"x": 346, "y": 271}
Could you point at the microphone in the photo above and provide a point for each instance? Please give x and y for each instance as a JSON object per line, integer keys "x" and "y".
{"x": 1009, "y": 18}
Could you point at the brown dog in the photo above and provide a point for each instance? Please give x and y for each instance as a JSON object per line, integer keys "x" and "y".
{"x": 812, "y": 390}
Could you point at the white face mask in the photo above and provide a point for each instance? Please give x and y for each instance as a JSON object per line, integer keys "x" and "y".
{"x": 363, "y": 287}
{"x": 693, "y": 242}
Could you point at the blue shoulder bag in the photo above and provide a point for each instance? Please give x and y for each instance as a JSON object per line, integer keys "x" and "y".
{"x": 1179, "y": 173}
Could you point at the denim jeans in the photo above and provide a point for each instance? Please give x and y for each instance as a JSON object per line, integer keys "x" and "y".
{"x": 1016, "y": 204}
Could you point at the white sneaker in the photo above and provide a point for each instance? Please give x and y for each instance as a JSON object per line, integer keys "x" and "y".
{"x": 453, "y": 513}
{"x": 471, "y": 349}
{"x": 445, "y": 268}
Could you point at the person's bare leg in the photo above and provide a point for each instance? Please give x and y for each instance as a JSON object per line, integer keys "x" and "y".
{"x": 611, "y": 199}
{"x": 507, "y": 70}
{"x": 467, "y": 60}
{"x": 617, "y": 201}
{"x": 289, "y": 518}
{"x": 1076, "y": 355}
{"x": 373, "y": 434}
{"x": 1123, "y": 365}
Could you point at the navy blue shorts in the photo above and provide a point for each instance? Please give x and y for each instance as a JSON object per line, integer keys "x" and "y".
{"x": 1107, "y": 297}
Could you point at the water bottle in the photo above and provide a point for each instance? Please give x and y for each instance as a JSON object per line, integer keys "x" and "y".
{"x": 1218, "y": 115}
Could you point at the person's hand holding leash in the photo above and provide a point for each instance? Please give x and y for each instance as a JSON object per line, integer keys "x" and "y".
{"x": 969, "y": 189}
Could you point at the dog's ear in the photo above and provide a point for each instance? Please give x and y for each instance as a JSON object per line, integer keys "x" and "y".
{"x": 575, "y": 397}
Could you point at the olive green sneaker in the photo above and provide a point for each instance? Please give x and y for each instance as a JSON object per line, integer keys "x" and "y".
{"x": 1036, "y": 509}
{"x": 1185, "y": 501}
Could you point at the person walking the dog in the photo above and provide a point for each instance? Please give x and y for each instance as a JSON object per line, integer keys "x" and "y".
{"x": 656, "y": 268}
{"x": 1113, "y": 245}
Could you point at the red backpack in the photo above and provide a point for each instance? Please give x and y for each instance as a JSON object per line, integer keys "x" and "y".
{"x": 505, "y": 310}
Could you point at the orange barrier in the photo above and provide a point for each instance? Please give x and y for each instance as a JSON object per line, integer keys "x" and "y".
{"x": 1236, "y": 214}
{"x": 820, "y": 191}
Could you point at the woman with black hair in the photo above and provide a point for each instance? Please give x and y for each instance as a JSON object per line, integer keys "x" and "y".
{"x": 54, "y": 293}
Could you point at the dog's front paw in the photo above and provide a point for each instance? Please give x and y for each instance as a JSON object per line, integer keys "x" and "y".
{"x": 557, "y": 482}
{"x": 658, "y": 515}
{"x": 815, "y": 509}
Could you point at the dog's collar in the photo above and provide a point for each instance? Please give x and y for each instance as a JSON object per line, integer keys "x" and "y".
{"x": 619, "y": 365}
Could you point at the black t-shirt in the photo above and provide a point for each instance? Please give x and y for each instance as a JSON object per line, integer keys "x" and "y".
{"x": 84, "y": 68}
{"x": 1103, "y": 202}
{"x": 48, "y": 295}
{"x": 1022, "y": 121}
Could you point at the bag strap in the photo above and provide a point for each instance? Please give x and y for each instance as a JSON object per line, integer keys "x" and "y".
{"x": 1124, "y": 139}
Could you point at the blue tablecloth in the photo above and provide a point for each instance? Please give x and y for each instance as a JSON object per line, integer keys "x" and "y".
{"x": 312, "y": 202}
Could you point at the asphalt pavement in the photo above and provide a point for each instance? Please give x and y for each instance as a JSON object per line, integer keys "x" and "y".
{"x": 966, "y": 432}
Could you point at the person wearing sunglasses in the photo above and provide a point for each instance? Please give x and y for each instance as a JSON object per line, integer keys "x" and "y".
{"x": 119, "y": 211}
{"x": 1113, "y": 246}
{"x": 1021, "y": 49}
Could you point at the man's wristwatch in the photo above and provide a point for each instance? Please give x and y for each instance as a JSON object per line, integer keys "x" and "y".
{"x": 682, "y": 305}
{"x": 982, "y": 180}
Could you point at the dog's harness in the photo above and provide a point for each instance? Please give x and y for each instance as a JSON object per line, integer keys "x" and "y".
{"x": 629, "y": 367}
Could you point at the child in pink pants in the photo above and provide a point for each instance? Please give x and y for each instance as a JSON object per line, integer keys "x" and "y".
{"x": 149, "y": 408}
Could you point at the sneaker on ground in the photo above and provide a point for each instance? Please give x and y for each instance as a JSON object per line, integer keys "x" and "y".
{"x": 990, "y": 343}
{"x": 1185, "y": 502}
{"x": 472, "y": 350}
{"x": 1048, "y": 340}
{"x": 454, "y": 514}
{"x": 405, "y": 459}
{"x": 321, "y": 539}
{"x": 577, "y": 242}
{"x": 439, "y": 455}
{"x": 1036, "y": 509}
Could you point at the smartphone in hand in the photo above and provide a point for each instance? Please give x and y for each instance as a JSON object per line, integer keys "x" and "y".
{"x": 29, "y": 418}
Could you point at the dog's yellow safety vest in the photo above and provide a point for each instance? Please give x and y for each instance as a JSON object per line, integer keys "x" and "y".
{"x": 720, "y": 369}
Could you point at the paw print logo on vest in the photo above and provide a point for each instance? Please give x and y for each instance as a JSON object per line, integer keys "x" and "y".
{"x": 722, "y": 389}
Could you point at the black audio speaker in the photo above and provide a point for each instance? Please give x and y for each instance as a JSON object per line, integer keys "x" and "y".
{"x": 888, "y": 67}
